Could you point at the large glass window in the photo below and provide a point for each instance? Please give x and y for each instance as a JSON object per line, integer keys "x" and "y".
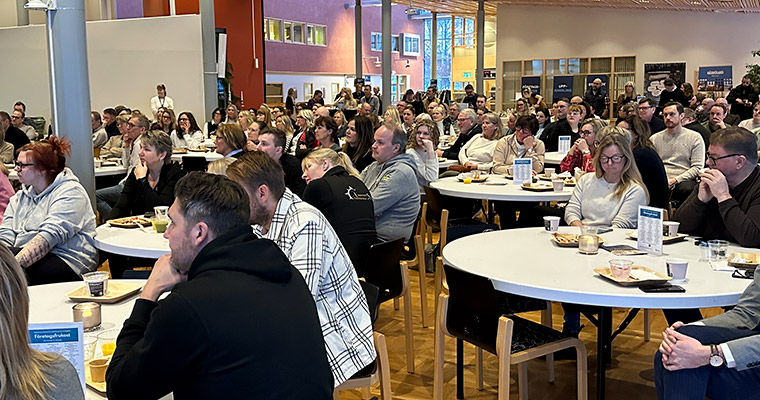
{"x": 464, "y": 32}
{"x": 443, "y": 48}
{"x": 411, "y": 44}
{"x": 376, "y": 41}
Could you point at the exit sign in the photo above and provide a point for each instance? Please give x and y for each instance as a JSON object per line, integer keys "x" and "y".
{"x": 467, "y": 74}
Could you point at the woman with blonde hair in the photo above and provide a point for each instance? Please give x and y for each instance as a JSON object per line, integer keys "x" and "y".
{"x": 334, "y": 187}
{"x": 27, "y": 373}
{"x": 346, "y": 100}
{"x": 478, "y": 152}
{"x": 230, "y": 140}
{"x": 391, "y": 115}
{"x": 421, "y": 147}
{"x": 340, "y": 119}
{"x": 168, "y": 122}
{"x": 439, "y": 116}
{"x": 285, "y": 124}
{"x": 628, "y": 95}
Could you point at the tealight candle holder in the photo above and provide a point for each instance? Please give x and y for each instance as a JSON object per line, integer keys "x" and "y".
{"x": 88, "y": 314}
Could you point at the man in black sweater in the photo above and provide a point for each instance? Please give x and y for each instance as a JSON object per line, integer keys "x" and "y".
{"x": 671, "y": 93}
{"x": 13, "y": 135}
{"x": 272, "y": 142}
{"x": 647, "y": 110}
{"x": 468, "y": 128}
{"x": 234, "y": 326}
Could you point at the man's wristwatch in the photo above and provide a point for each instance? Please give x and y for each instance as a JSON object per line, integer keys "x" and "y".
{"x": 716, "y": 358}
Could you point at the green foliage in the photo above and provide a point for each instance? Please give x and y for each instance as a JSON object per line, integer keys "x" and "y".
{"x": 753, "y": 70}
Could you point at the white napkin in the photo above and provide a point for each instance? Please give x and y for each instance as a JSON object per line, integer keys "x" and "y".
{"x": 721, "y": 266}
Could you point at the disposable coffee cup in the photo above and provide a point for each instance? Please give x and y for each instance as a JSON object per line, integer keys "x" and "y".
{"x": 98, "y": 369}
{"x": 551, "y": 224}
{"x": 97, "y": 283}
{"x": 548, "y": 172}
{"x": 676, "y": 268}
{"x": 670, "y": 228}
{"x": 558, "y": 184}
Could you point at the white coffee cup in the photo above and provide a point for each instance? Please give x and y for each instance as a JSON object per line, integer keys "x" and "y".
{"x": 551, "y": 223}
{"x": 559, "y": 185}
{"x": 548, "y": 172}
{"x": 670, "y": 228}
{"x": 676, "y": 268}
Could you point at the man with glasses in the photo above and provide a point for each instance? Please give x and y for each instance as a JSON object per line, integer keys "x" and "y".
{"x": 682, "y": 151}
{"x": 467, "y": 120}
{"x": 107, "y": 197}
{"x": 17, "y": 120}
{"x": 718, "y": 357}
{"x": 647, "y": 108}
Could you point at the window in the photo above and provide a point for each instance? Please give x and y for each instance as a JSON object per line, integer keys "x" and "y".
{"x": 411, "y": 44}
{"x": 274, "y": 93}
{"x": 315, "y": 35}
{"x": 294, "y": 32}
{"x": 464, "y": 32}
{"x": 376, "y": 41}
{"x": 395, "y": 43}
{"x": 272, "y": 29}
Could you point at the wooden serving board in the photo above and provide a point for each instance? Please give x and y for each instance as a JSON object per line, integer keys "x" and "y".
{"x": 117, "y": 291}
{"x": 657, "y": 277}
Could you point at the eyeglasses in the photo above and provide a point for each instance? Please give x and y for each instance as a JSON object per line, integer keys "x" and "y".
{"x": 586, "y": 133}
{"x": 614, "y": 159}
{"x": 167, "y": 116}
{"x": 715, "y": 159}
{"x": 645, "y": 107}
{"x": 20, "y": 165}
{"x": 15, "y": 117}
{"x": 744, "y": 274}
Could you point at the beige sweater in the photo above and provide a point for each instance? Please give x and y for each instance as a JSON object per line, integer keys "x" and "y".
{"x": 506, "y": 152}
{"x": 683, "y": 154}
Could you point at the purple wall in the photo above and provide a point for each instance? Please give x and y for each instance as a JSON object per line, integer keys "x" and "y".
{"x": 338, "y": 56}
{"x": 129, "y": 9}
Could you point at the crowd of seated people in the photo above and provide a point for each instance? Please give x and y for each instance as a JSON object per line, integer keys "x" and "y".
{"x": 324, "y": 186}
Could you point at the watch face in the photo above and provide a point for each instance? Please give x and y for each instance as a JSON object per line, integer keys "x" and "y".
{"x": 716, "y": 360}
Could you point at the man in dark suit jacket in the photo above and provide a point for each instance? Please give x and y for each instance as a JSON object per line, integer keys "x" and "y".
{"x": 13, "y": 135}
{"x": 647, "y": 110}
{"x": 718, "y": 357}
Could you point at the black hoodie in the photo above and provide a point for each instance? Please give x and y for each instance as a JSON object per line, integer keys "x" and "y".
{"x": 244, "y": 325}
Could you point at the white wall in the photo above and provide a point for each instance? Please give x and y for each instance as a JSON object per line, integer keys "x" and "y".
{"x": 700, "y": 39}
{"x": 127, "y": 58}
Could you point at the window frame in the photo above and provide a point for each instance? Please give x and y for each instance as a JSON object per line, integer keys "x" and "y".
{"x": 412, "y": 39}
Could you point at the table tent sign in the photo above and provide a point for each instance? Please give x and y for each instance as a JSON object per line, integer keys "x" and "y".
{"x": 649, "y": 235}
{"x": 564, "y": 144}
{"x": 522, "y": 171}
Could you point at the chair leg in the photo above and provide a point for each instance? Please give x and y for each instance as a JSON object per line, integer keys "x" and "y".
{"x": 407, "y": 318}
{"x": 480, "y": 369}
{"x": 440, "y": 337}
{"x": 580, "y": 351}
{"x": 546, "y": 320}
{"x": 384, "y": 370}
{"x": 423, "y": 278}
{"x": 647, "y": 333}
{"x": 522, "y": 380}
{"x": 366, "y": 395}
{"x": 395, "y": 303}
{"x": 503, "y": 351}
{"x": 336, "y": 394}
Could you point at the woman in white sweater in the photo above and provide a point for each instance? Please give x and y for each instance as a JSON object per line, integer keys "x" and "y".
{"x": 421, "y": 147}
{"x": 612, "y": 194}
{"x": 478, "y": 152}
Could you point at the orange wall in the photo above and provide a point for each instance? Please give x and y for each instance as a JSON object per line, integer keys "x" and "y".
{"x": 155, "y": 8}
{"x": 235, "y": 16}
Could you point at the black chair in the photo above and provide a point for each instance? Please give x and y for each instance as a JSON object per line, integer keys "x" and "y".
{"x": 385, "y": 270}
{"x": 470, "y": 312}
{"x": 369, "y": 375}
{"x": 194, "y": 163}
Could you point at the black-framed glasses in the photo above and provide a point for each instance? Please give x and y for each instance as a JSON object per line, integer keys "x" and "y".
{"x": 586, "y": 133}
{"x": 20, "y": 165}
{"x": 614, "y": 159}
{"x": 645, "y": 107}
{"x": 744, "y": 274}
{"x": 715, "y": 159}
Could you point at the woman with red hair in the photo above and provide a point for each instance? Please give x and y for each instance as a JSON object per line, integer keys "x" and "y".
{"x": 49, "y": 224}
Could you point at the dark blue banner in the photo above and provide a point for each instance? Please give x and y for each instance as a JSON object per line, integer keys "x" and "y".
{"x": 533, "y": 83}
{"x": 563, "y": 87}
{"x": 590, "y": 78}
{"x": 715, "y": 78}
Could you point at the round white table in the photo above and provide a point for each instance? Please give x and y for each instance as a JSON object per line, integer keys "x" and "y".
{"x": 554, "y": 158}
{"x": 534, "y": 266}
{"x": 102, "y": 171}
{"x": 48, "y": 304}
{"x": 145, "y": 243}
{"x": 209, "y": 155}
{"x": 451, "y": 186}
{"x": 447, "y": 163}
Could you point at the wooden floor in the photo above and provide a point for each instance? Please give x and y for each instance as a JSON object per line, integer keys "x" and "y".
{"x": 629, "y": 377}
